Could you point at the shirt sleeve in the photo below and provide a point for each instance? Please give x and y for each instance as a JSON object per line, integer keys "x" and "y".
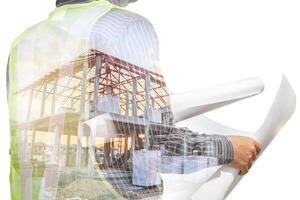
{"x": 218, "y": 146}
{"x": 191, "y": 143}
{"x": 141, "y": 45}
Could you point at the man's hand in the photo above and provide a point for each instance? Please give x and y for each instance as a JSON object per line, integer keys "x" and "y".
{"x": 245, "y": 151}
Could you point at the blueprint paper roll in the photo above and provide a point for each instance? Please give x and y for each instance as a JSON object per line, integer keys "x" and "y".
{"x": 190, "y": 104}
{"x": 281, "y": 110}
{"x": 287, "y": 102}
{"x": 183, "y": 186}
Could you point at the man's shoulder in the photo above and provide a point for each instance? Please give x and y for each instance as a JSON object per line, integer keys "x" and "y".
{"x": 126, "y": 16}
{"x": 28, "y": 34}
{"x": 116, "y": 22}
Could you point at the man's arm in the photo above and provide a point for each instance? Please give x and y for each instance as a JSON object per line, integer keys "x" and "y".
{"x": 237, "y": 151}
{"x": 189, "y": 143}
{"x": 217, "y": 146}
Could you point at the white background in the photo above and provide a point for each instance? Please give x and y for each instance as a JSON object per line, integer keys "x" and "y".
{"x": 205, "y": 43}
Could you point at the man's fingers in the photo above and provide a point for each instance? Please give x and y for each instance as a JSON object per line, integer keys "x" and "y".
{"x": 254, "y": 158}
{"x": 254, "y": 154}
{"x": 244, "y": 171}
{"x": 245, "y": 151}
{"x": 250, "y": 165}
{"x": 258, "y": 147}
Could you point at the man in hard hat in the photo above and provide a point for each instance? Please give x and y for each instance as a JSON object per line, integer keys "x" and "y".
{"x": 121, "y": 34}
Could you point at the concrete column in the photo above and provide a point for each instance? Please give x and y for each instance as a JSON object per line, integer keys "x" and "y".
{"x": 153, "y": 102}
{"x": 68, "y": 149}
{"x": 43, "y": 103}
{"x": 79, "y": 145}
{"x": 57, "y": 142}
{"x": 112, "y": 150}
{"x": 147, "y": 94}
{"x": 32, "y": 144}
{"x": 147, "y": 107}
{"x": 87, "y": 151}
{"x": 29, "y": 106}
{"x": 126, "y": 149}
{"x": 109, "y": 90}
{"x": 53, "y": 103}
{"x": 82, "y": 115}
{"x": 134, "y": 99}
{"x": 127, "y": 105}
{"x": 92, "y": 143}
{"x": 96, "y": 83}
{"x": 133, "y": 142}
{"x": 106, "y": 152}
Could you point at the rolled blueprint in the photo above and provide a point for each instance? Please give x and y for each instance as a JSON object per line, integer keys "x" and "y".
{"x": 190, "y": 104}
{"x": 187, "y": 105}
{"x": 183, "y": 186}
{"x": 227, "y": 177}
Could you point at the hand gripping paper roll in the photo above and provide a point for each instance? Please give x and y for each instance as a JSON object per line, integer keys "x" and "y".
{"x": 187, "y": 105}
{"x": 226, "y": 178}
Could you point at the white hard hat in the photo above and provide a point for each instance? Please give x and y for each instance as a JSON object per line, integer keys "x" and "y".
{"x": 122, "y": 3}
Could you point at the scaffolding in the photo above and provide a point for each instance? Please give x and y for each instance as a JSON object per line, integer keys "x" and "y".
{"x": 92, "y": 85}
{"x": 70, "y": 95}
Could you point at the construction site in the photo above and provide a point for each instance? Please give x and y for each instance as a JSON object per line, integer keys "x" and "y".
{"x": 99, "y": 119}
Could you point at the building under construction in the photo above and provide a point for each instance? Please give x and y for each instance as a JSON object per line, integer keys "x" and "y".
{"x": 63, "y": 128}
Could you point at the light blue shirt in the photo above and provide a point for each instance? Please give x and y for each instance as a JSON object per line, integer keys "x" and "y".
{"x": 127, "y": 36}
